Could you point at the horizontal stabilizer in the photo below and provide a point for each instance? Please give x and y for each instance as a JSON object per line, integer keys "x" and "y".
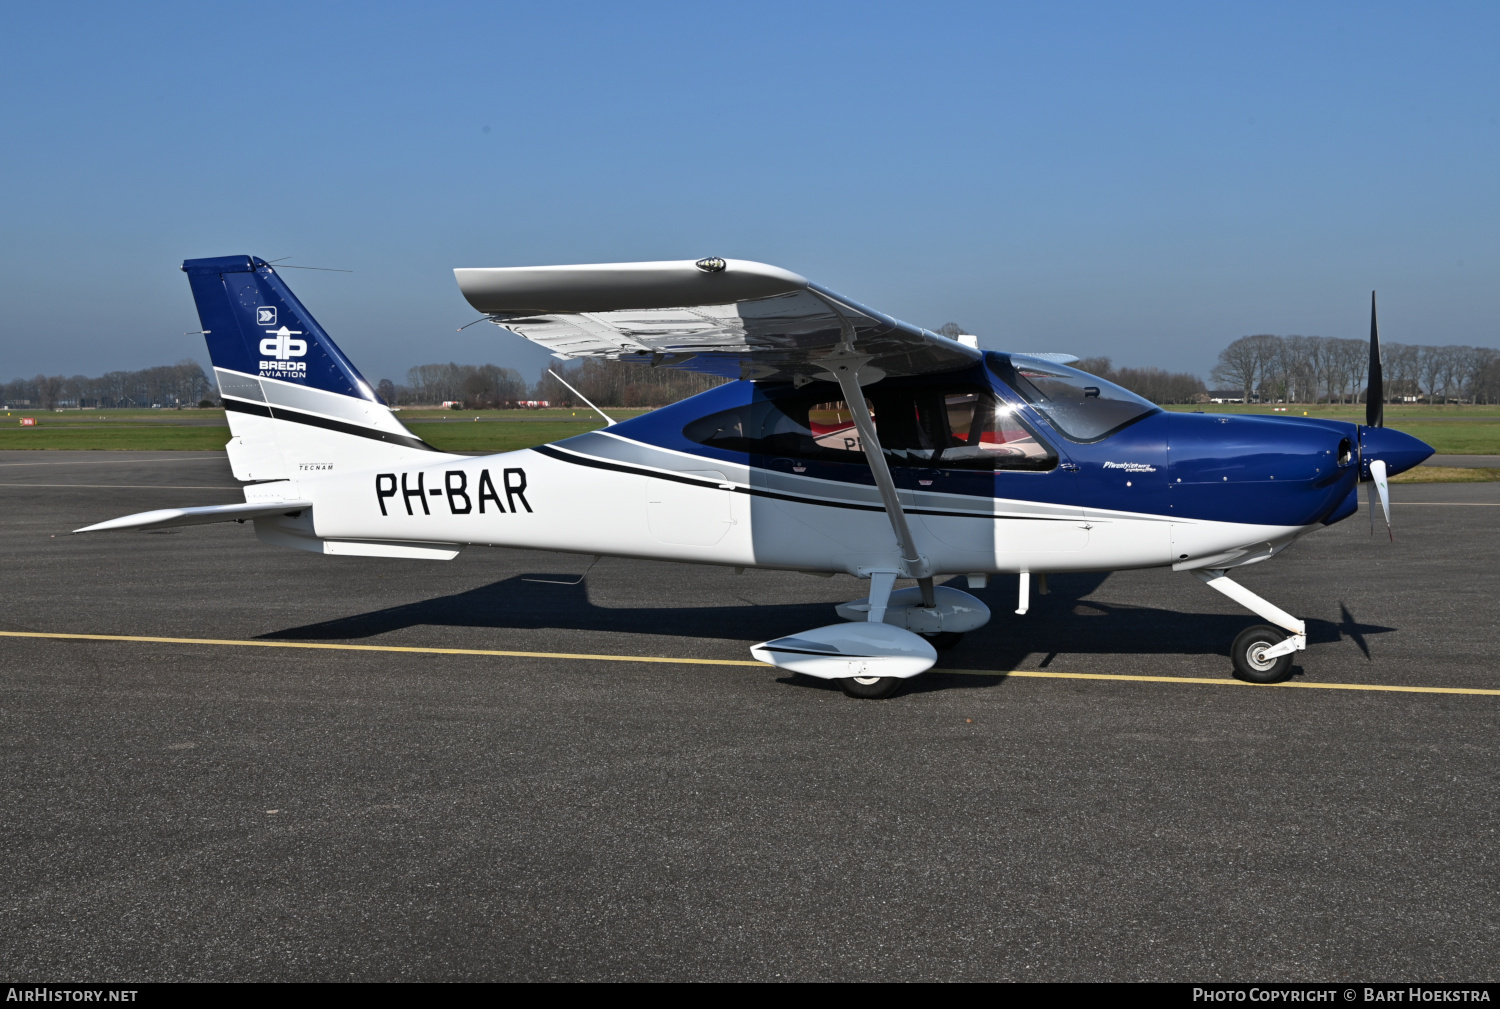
{"x": 1051, "y": 357}
{"x": 164, "y": 518}
{"x": 845, "y": 650}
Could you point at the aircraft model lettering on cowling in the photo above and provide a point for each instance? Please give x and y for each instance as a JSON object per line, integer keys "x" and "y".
{"x": 848, "y": 442}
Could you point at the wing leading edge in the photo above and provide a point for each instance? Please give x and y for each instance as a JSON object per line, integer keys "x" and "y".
{"x": 733, "y": 318}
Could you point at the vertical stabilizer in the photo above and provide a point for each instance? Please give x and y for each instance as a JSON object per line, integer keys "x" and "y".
{"x": 295, "y": 403}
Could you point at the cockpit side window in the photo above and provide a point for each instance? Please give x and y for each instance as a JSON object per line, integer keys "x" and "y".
{"x": 984, "y": 433}
{"x": 1082, "y": 407}
{"x": 927, "y": 426}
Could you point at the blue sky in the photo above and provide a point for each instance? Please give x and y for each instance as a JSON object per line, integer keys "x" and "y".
{"x": 1147, "y": 181}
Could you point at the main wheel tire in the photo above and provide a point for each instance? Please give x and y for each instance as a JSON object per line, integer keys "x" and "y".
{"x": 1248, "y": 663}
{"x": 870, "y": 687}
{"x": 944, "y": 640}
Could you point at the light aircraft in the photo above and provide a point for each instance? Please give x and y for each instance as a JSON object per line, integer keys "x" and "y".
{"x": 849, "y": 442}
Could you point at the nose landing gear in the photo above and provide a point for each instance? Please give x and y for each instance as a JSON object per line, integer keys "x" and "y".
{"x": 1263, "y": 653}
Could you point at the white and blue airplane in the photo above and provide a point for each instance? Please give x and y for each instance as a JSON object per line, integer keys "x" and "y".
{"x": 849, "y": 442}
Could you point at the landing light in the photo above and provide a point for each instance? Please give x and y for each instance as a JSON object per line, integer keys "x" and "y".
{"x": 711, "y": 265}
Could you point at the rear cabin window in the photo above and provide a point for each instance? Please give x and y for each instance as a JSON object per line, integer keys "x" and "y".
{"x": 1081, "y": 406}
{"x": 954, "y": 428}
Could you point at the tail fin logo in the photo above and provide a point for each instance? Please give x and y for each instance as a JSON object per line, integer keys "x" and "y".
{"x": 281, "y": 346}
{"x": 265, "y": 315}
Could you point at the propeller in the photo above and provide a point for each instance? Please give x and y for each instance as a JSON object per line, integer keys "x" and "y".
{"x": 1379, "y": 485}
{"x": 1375, "y": 417}
{"x": 1375, "y": 387}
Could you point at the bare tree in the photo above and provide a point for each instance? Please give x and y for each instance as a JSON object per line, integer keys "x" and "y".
{"x": 624, "y": 383}
{"x": 1239, "y": 365}
{"x": 48, "y": 389}
{"x": 1402, "y": 371}
{"x": 1297, "y": 363}
{"x": 1455, "y": 373}
{"x": 1162, "y": 386}
{"x": 1430, "y": 370}
{"x": 1357, "y": 360}
{"x": 1156, "y": 384}
{"x": 1336, "y": 364}
{"x": 503, "y": 386}
{"x": 1486, "y": 382}
{"x": 1474, "y": 360}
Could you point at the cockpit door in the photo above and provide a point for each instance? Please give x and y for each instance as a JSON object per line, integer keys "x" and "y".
{"x": 992, "y": 484}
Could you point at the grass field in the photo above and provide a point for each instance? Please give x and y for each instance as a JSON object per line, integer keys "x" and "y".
{"x": 121, "y": 430}
{"x": 1447, "y": 474}
{"x": 1451, "y": 430}
{"x": 206, "y": 430}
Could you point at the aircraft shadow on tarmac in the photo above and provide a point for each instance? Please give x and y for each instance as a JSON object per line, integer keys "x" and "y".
{"x": 1063, "y": 621}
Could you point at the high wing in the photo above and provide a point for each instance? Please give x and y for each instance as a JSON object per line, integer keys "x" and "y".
{"x": 728, "y": 317}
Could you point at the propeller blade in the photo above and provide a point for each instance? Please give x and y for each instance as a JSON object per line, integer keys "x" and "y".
{"x": 1382, "y": 487}
{"x": 1375, "y": 386}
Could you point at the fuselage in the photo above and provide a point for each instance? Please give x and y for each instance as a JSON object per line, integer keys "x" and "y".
{"x": 995, "y": 476}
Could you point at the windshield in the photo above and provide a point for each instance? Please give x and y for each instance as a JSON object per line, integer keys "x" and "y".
{"x": 1081, "y": 406}
{"x": 920, "y": 425}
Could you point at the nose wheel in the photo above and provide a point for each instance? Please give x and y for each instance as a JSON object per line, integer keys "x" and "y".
{"x": 1252, "y": 660}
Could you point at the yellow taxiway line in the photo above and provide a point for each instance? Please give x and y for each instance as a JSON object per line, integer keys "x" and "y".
{"x": 674, "y": 661}
{"x": 1225, "y": 682}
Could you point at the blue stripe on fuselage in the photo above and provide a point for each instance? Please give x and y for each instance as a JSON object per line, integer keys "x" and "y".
{"x": 1226, "y": 468}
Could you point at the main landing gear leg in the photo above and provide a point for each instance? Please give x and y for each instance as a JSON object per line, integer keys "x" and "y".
{"x": 1261, "y": 654}
{"x": 875, "y": 687}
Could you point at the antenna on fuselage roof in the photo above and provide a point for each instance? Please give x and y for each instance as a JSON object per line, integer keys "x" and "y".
{"x": 608, "y": 420}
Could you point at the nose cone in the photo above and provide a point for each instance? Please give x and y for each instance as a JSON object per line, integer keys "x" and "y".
{"x": 1399, "y": 452}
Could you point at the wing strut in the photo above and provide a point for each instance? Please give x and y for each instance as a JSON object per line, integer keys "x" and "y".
{"x": 848, "y": 375}
{"x": 844, "y": 366}
{"x": 608, "y": 420}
